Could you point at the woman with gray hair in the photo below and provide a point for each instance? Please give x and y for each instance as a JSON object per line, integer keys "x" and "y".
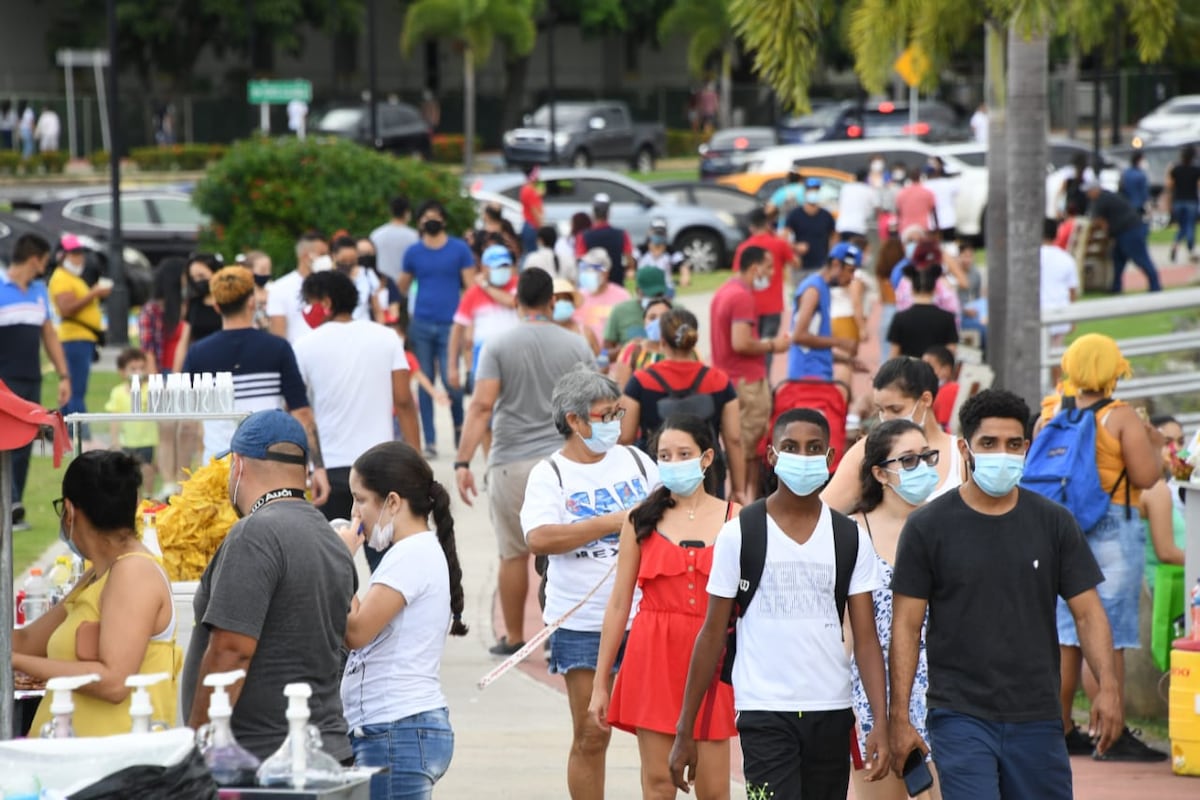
{"x": 575, "y": 504}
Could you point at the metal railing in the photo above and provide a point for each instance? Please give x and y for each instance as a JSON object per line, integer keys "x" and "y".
{"x": 1168, "y": 383}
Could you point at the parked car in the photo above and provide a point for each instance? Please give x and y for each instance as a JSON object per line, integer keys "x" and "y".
{"x": 763, "y": 184}
{"x": 1177, "y": 119}
{"x": 400, "y": 127}
{"x": 712, "y": 196}
{"x": 936, "y": 122}
{"x": 707, "y": 237}
{"x": 585, "y": 133}
{"x": 725, "y": 153}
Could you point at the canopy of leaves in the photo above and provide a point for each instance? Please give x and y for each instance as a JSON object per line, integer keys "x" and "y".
{"x": 472, "y": 23}
{"x": 784, "y": 38}
{"x": 705, "y": 22}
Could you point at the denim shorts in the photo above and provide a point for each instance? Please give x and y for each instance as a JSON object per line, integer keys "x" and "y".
{"x": 578, "y": 650}
{"x": 415, "y": 752}
{"x": 1119, "y": 545}
{"x": 978, "y": 759}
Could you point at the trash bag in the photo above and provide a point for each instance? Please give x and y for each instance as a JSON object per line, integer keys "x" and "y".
{"x": 187, "y": 780}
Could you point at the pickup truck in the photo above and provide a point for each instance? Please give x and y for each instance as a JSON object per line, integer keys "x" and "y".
{"x": 585, "y": 133}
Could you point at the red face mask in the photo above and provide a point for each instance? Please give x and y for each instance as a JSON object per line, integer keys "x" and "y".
{"x": 315, "y": 314}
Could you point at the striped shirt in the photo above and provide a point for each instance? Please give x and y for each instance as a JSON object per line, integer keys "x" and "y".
{"x": 23, "y": 314}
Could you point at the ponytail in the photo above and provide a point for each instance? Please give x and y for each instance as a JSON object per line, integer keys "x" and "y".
{"x": 444, "y": 523}
{"x": 647, "y": 514}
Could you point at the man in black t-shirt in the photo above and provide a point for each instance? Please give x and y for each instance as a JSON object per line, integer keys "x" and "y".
{"x": 811, "y": 229}
{"x": 1125, "y": 228}
{"x": 988, "y": 562}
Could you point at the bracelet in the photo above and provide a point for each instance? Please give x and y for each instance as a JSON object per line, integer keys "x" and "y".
{"x": 461, "y": 465}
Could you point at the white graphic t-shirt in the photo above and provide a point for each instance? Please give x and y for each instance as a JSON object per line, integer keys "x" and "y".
{"x": 790, "y": 654}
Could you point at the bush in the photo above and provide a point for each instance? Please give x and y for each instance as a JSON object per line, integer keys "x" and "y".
{"x": 264, "y": 193}
{"x": 51, "y": 162}
{"x": 176, "y": 157}
{"x": 448, "y": 147}
{"x": 99, "y": 160}
{"x": 684, "y": 143}
{"x": 10, "y": 162}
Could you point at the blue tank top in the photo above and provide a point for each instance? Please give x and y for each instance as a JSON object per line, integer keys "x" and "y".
{"x": 807, "y": 362}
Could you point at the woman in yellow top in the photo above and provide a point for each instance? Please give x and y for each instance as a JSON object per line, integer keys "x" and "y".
{"x": 1128, "y": 461}
{"x": 79, "y": 307}
{"x": 119, "y": 619}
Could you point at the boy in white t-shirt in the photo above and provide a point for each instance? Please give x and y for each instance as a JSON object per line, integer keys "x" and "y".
{"x": 791, "y": 677}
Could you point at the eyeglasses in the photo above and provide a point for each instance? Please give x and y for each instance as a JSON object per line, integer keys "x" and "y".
{"x": 909, "y": 462}
{"x": 60, "y": 505}
{"x": 611, "y": 416}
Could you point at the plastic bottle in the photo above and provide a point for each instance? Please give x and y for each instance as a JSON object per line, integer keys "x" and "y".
{"x": 602, "y": 362}
{"x": 37, "y": 595}
{"x": 224, "y": 393}
{"x": 1196, "y": 611}
{"x": 135, "y": 394}
{"x": 19, "y": 609}
{"x": 141, "y": 710}
{"x": 300, "y": 762}
{"x": 60, "y": 579}
{"x": 154, "y": 393}
{"x": 150, "y": 533}
{"x": 229, "y": 763}
{"x": 62, "y": 706}
{"x": 22, "y": 786}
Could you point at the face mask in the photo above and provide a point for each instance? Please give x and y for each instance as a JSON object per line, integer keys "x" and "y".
{"x": 315, "y": 314}
{"x": 654, "y": 330}
{"x": 381, "y": 535}
{"x": 499, "y": 276}
{"x": 803, "y": 475}
{"x": 604, "y": 436}
{"x": 681, "y": 477}
{"x": 909, "y": 249}
{"x": 322, "y": 264}
{"x": 877, "y": 166}
{"x": 898, "y": 175}
{"x": 347, "y": 267}
{"x": 234, "y": 491}
{"x": 762, "y": 284}
{"x": 656, "y": 239}
{"x": 200, "y": 288}
{"x": 367, "y": 261}
{"x": 73, "y": 268}
{"x": 64, "y": 536}
{"x": 432, "y": 227}
{"x": 589, "y": 280}
{"x": 812, "y": 198}
{"x": 915, "y": 484}
{"x": 998, "y": 473}
{"x": 262, "y": 280}
{"x": 563, "y": 310}
{"x": 911, "y": 416}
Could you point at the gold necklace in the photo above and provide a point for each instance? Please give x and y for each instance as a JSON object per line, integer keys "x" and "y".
{"x": 692, "y": 510}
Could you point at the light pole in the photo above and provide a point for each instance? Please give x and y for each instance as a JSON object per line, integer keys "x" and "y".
{"x": 118, "y": 301}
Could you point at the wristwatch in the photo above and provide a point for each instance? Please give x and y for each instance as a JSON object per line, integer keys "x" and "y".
{"x": 461, "y": 465}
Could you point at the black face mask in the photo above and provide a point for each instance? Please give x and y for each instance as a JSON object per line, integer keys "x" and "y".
{"x": 433, "y": 227}
{"x": 262, "y": 280}
{"x": 367, "y": 261}
{"x": 200, "y": 288}
{"x": 345, "y": 268}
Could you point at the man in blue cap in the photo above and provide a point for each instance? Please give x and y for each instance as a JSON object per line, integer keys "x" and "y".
{"x": 811, "y": 230}
{"x": 274, "y": 599}
{"x": 814, "y": 347}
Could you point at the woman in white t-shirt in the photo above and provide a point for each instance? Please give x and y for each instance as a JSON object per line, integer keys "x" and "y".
{"x": 575, "y": 504}
{"x": 391, "y": 694}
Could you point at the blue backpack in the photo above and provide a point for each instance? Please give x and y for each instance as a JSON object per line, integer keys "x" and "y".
{"x": 1061, "y": 464}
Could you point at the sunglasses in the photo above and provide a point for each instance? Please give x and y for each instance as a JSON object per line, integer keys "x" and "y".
{"x": 909, "y": 462}
{"x": 60, "y": 505}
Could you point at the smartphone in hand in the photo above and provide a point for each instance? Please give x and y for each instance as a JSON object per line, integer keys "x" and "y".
{"x": 917, "y": 777}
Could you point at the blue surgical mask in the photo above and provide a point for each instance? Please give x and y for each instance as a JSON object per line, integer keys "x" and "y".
{"x": 604, "y": 436}
{"x": 997, "y": 474}
{"x": 681, "y": 477}
{"x": 589, "y": 280}
{"x": 499, "y": 276}
{"x": 909, "y": 249}
{"x": 915, "y": 484}
{"x": 64, "y": 536}
{"x": 563, "y": 310}
{"x": 803, "y": 475}
{"x": 812, "y": 197}
{"x": 658, "y": 239}
{"x": 654, "y": 330}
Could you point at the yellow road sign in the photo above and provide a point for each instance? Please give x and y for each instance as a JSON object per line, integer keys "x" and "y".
{"x": 912, "y": 65}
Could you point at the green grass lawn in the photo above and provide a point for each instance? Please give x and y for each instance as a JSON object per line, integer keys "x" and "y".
{"x": 667, "y": 175}
{"x": 45, "y": 482}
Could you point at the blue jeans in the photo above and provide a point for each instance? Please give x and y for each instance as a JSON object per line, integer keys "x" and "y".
{"x": 79, "y": 367}
{"x": 431, "y": 342}
{"x": 1119, "y": 544}
{"x": 1130, "y": 245}
{"x": 982, "y": 760}
{"x": 31, "y": 391}
{"x": 1185, "y": 212}
{"x": 415, "y": 752}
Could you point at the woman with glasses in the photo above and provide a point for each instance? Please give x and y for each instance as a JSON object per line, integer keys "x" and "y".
{"x": 898, "y": 473}
{"x": 576, "y": 502}
{"x": 119, "y": 619}
{"x": 904, "y": 389}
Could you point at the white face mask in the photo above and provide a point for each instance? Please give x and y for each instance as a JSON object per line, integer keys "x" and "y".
{"x": 73, "y": 268}
{"x": 322, "y": 264}
{"x": 381, "y": 535}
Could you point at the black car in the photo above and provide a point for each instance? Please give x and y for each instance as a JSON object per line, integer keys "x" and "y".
{"x": 936, "y": 122}
{"x": 710, "y": 196}
{"x": 401, "y": 129}
{"x": 725, "y": 153}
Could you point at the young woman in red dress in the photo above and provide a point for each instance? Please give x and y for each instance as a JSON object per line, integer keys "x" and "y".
{"x": 666, "y": 551}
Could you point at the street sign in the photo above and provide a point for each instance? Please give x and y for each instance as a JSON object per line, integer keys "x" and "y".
{"x": 912, "y": 65}
{"x": 278, "y": 92}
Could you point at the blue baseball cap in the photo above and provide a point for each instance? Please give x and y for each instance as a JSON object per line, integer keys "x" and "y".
{"x": 264, "y": 429}
{"x": 497, "y": 256}
{"x": 846, "y": 253}
{"x": 813, "y": 183}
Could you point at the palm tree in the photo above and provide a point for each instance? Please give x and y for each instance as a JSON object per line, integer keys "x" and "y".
{"x": 785, "y": 38}
{"x": 473, "y": 26}
{"x": 707, "y": 23}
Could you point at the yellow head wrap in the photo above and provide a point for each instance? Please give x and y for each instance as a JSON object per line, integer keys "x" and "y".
{"x": 1093, "y": 363}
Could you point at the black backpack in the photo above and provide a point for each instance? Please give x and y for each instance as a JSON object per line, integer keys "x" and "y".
{"x": 753, "y": 519}
{"x": 685, "y": 401}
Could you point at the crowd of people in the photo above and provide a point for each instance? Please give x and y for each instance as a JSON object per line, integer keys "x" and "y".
{"x": 890, "y": 588}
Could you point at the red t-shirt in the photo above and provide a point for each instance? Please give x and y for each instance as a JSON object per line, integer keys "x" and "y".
{"x": 771, "y": 300}
{"x": 411, "y": 358}
{"x": 734, "y": 303}
{"x": 531, "y": 204}
{"x": 943, "y": 404}
{"x": 679, "y": 375}
{"x": 914, "y": 204}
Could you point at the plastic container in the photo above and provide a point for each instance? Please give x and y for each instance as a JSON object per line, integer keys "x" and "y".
{"x": 135, "y": 394}
{"x": 37, "y": 595}
{"x": 224, "y": 393}
{"x": 229, "y": 763}
{"x": 19, "y": 608}
{"x": 300, "y": 762}
{"x": 1183, "y": 708}
{"x": 20, "y": 786}
{"x": 150, "y": 534}
{"x": 141, "y": 709}
{"x": 62, "y": 706}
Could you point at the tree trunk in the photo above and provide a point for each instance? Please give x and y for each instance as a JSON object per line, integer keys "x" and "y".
{"x": 468, "y": 109}
{"x": 1070, "y": 92}
{"x": 726, "y": 112}
{"x": 1026, "y": 145}
{"x": 995, "y": 223}
{"x": 516, "y": 77}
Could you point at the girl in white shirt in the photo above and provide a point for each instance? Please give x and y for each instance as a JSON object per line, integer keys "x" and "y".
{"x": 391, "y": 694}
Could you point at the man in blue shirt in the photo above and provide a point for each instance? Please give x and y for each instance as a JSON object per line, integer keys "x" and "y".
{"x": 1135, "y": 185}
{"x": 24, "y": 324}
{"x": 441, "y": 265}
{"x": 811, "y": 354}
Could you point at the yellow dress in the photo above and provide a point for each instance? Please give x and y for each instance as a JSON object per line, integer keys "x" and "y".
{"x": 70, "y": 330}
{"x": 93, "y": 716}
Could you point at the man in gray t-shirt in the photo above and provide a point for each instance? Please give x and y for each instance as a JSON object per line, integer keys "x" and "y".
{"x": 392, "y": 238}
{"x": 275, "y": 597}
{"x": 517, "y": 373}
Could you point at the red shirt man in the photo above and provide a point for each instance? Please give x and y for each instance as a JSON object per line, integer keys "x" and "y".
{"x": 531, "y": 200}
{"x": 770, "y": 302}
{"x": 915, "y": 205}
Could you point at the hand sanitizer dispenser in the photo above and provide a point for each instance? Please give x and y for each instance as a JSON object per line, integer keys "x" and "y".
{"x": 62, "y": 706}
{"x": 141, "y": 710}
{"x": 300, "y": 762}
{"x": 229, "y": 763}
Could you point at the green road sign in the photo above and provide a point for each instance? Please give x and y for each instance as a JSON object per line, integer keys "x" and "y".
{"x": 278, "y": 92}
